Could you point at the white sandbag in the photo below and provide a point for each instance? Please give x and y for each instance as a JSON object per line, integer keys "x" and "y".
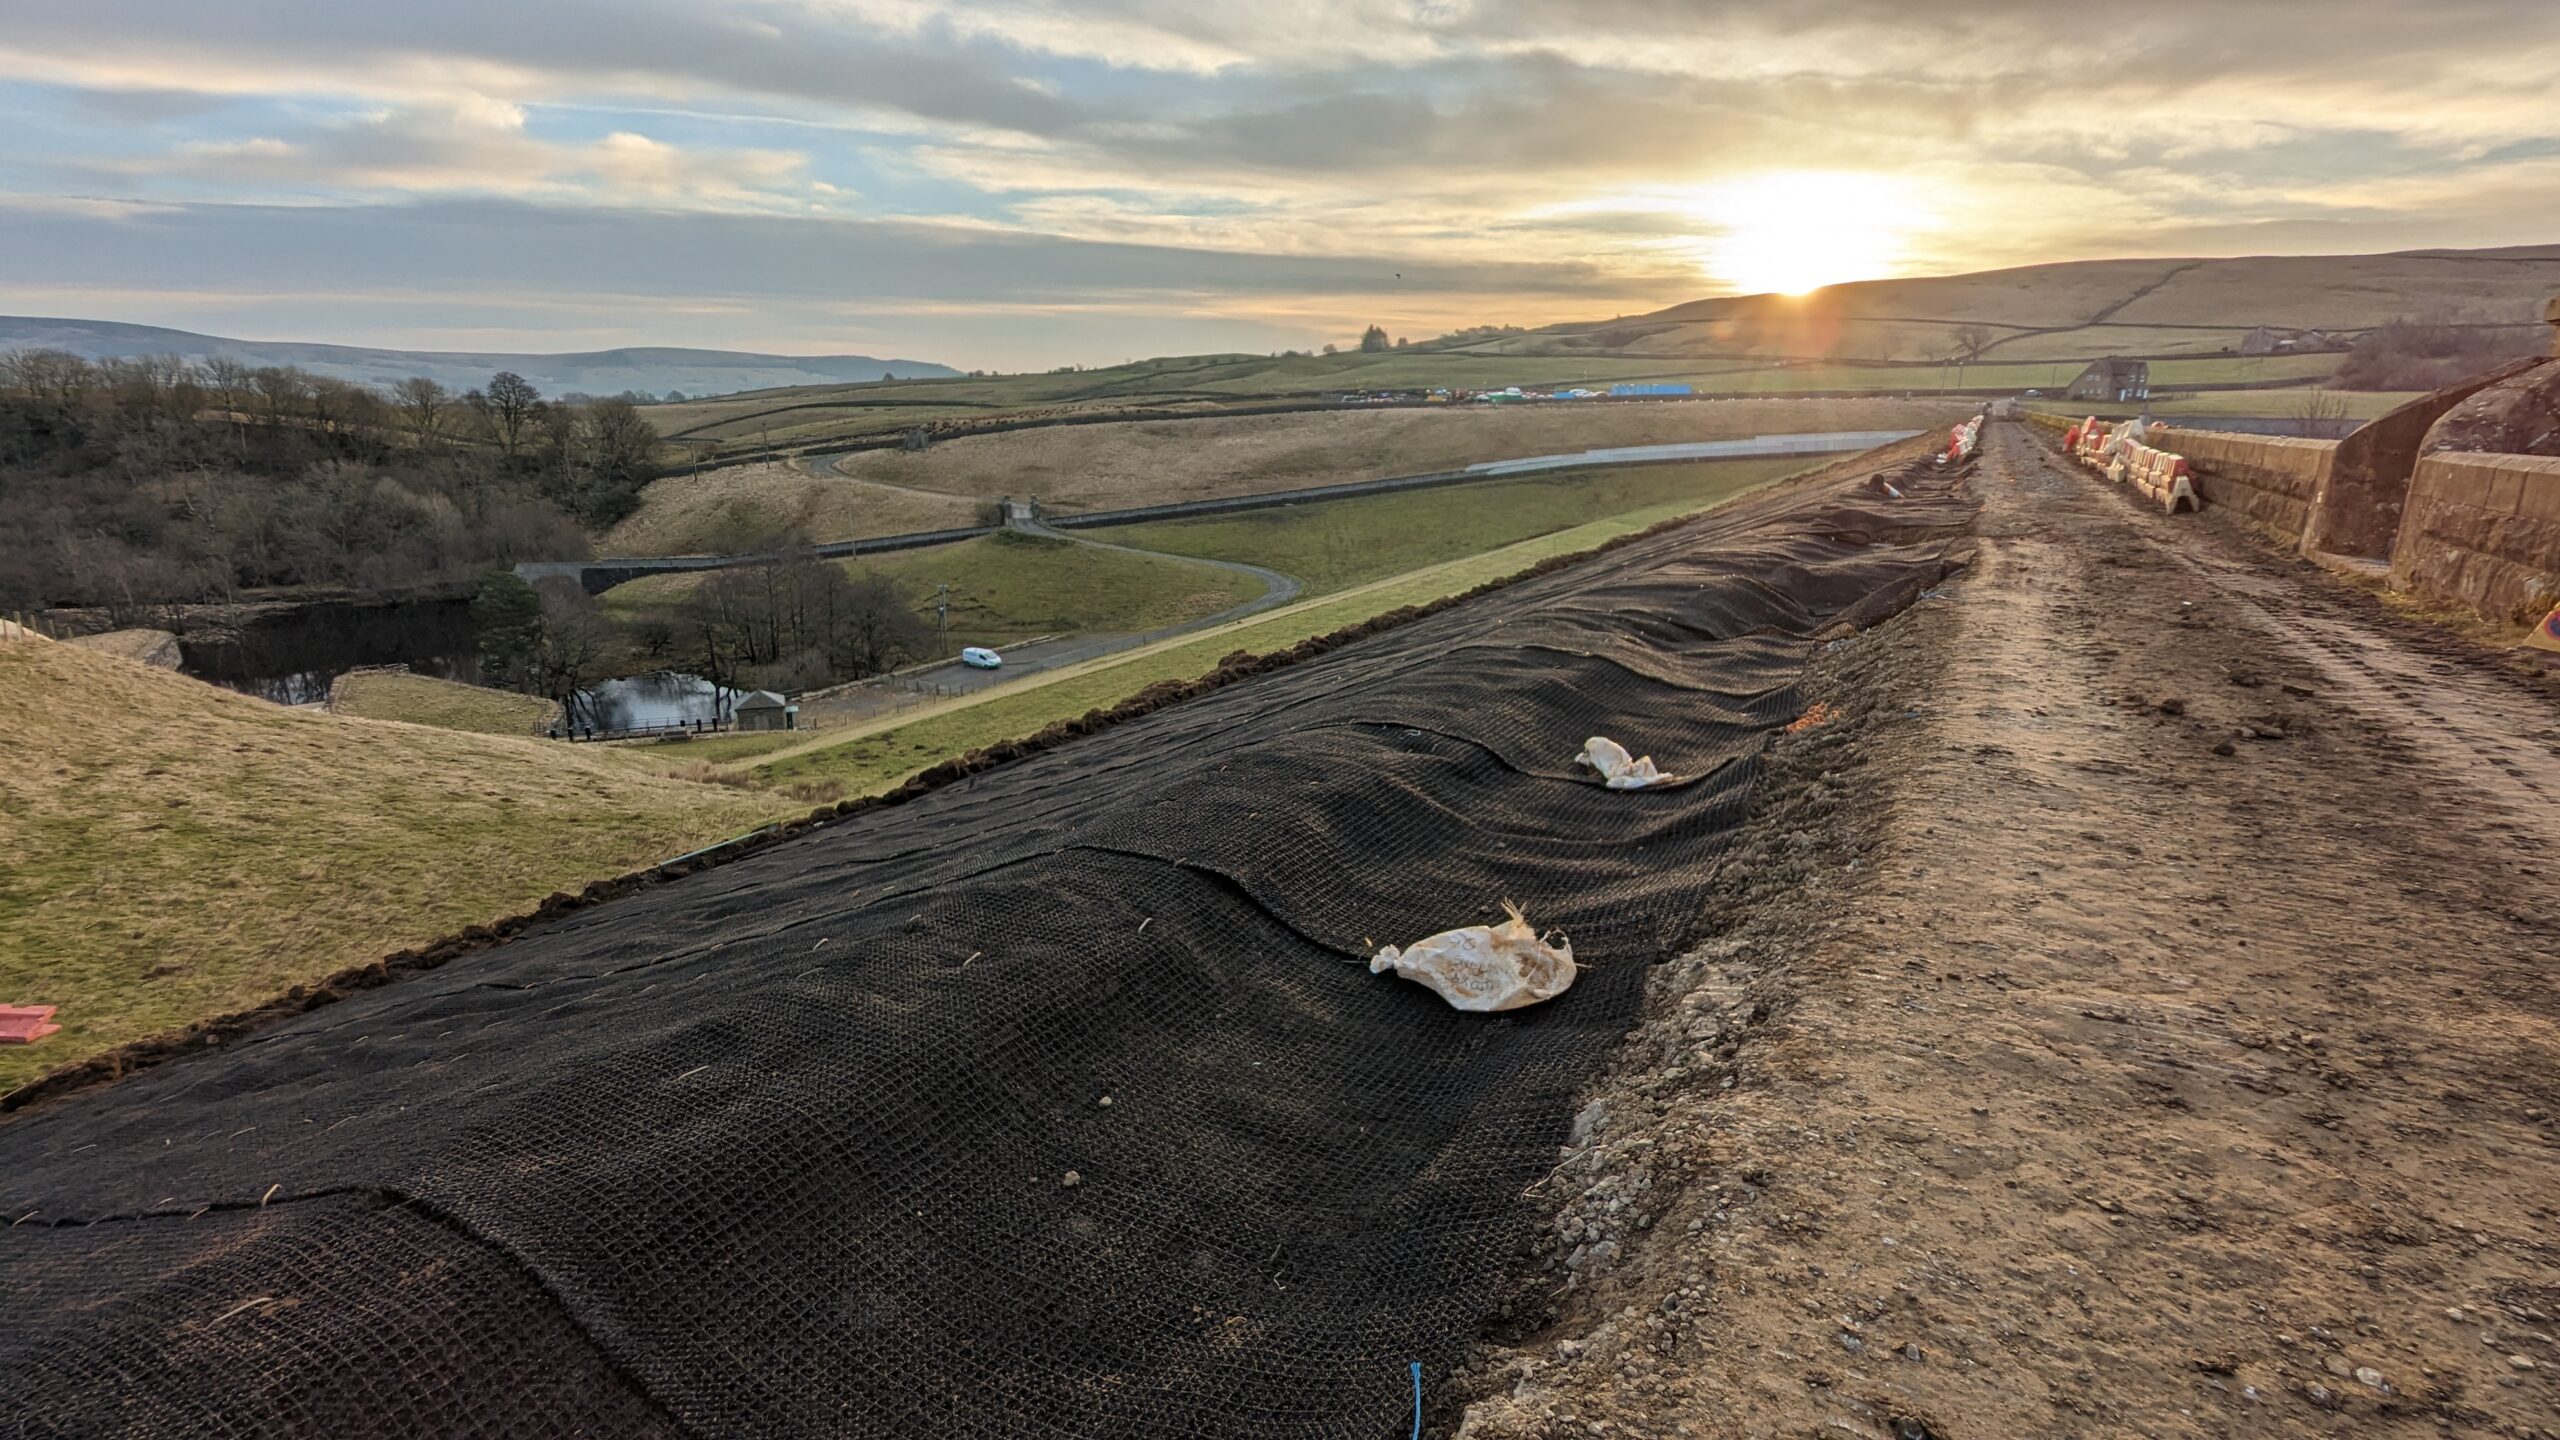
{"x": 1485, "y": 967}
{"x": 1617, "y": 768}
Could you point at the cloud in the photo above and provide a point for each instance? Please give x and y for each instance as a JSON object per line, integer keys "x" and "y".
{"x": 473, "y": 144}
{"x": 1133, "y": 157}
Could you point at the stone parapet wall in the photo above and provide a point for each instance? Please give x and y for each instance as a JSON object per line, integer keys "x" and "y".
{"x": 2483, "y": 531}
{"x": 2270, "y": 480}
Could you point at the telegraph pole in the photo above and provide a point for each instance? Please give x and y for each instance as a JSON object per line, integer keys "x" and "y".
{"x": 942, "y": 615}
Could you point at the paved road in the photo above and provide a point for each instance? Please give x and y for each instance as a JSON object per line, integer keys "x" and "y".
{"x": 1020, "y": 661}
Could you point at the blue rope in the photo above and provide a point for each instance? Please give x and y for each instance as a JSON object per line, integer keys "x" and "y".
{"x": 1417, "y": 1400}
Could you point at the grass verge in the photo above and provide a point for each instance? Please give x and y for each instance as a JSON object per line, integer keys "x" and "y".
{"x": 1333, "y": 545}
{"x": 1008, "y": 586}
{"x": 870, "y": 759}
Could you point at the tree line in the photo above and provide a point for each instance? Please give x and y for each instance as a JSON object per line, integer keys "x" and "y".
{"x": 789, "y": 622}
{"x": 137, "y": 484}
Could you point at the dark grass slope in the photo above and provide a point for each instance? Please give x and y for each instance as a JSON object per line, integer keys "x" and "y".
{"x": 783, "y": 1148}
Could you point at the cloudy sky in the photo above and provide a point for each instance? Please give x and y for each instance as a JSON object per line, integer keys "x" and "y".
{"x": 1013, "y": 183}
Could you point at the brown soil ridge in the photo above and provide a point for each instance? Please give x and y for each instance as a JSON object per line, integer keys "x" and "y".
{"x": 2132, "y": 1016}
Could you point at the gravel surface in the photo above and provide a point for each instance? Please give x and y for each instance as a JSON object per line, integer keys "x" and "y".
{"x": 2134, "y": 1016}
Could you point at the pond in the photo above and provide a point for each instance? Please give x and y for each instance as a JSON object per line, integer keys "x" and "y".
{"x": 644, "y": 702}
{"x": 292, "y": 656}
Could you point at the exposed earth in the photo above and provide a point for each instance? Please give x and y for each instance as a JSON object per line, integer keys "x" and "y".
{"x": 2136, "y": 1017}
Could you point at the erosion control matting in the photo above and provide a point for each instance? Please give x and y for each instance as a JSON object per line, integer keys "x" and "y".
{"x": 784, "y": 1147}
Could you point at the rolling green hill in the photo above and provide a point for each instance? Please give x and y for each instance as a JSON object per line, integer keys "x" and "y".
{"x": 2031, "y": 326}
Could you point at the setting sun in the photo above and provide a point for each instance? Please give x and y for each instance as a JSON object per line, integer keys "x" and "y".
{"x": 1798, "y": 230}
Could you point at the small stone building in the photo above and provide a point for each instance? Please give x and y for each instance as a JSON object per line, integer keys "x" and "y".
{"x": 2113, "y": 380}
{"x": 765, "y": 710}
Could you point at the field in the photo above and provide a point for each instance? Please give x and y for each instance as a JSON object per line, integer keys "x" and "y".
{"x": 1097, "y": 467}
{"x": 426, "y": 700}
{"x": 1008, "y": 587}
{"x": 2279, "y": 404}
{"x": 1335, "y": 544}
{"x": 748, "y": 507}
{"x": 2042, "y": 323}
{"x": 179, "y": 851}
{"x": 866, "y": 759}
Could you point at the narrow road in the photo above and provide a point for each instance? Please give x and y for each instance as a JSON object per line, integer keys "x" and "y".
{"x": 2136, "y": 1019}
{"x": 861, "y": 702}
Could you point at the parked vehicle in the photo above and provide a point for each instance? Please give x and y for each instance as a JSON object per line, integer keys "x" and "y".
{"x": 979, "y": 657}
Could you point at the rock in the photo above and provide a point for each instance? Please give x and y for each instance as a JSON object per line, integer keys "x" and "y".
{"x": 2173, "y": 706}
{"x": 2521, "y": 1362}
{"x": 2226, "y": 748}
{"x": 1071, "y": 1180}
{"x": 1589, "y": 1120}
{"x": 2367, "y": 1375}
{"x": 1104, "y": 1102}
{"x": 2337, "y": 1365}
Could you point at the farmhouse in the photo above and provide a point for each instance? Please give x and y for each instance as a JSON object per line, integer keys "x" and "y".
{"x": 2113, "y": 379}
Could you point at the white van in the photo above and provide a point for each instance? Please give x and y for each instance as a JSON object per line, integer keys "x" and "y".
{"x": 979, "y": 657}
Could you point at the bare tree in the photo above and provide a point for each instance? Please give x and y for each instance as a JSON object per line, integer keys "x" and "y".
{"x": 624, "y": 445}
{"x": 227, "y": 381}
{"x": 512, "y": 402}
{"x": 282, "y": 392}
{"x": 570, "y": 649}
{"x": 2321, "y": 414}
{"x": 427, "y": 405}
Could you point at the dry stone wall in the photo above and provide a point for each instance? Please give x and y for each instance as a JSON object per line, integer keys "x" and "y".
{"x": 2273, "y": 481}
{"x": 2484, "y": 531}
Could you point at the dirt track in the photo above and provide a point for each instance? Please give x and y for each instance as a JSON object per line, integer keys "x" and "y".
{"x": 2063, "y": 1075}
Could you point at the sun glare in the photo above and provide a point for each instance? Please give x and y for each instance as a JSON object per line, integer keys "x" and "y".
{"x": 1792, "y": 231}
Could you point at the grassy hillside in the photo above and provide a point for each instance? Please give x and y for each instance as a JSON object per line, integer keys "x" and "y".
{"x": 871, "y": 757}
{"x": 1097, "y": 467}
{"x": 2080, "y": 310}
{"x": 1008, "y": 587}
{"x": 178, "y": 851}
{"x": 1336, "y": 544}
{"x": 426, "y": 700}
{"x": 749, "y": 507}
{"x": 1887, "y": 336}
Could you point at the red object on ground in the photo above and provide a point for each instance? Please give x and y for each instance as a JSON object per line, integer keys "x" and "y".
{"x": 25, "y": 1024}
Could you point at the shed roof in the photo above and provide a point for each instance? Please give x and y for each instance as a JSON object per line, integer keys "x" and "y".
{"x": 761, "y": 700}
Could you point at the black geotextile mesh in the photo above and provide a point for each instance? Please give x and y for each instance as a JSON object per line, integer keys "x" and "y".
{"x": 779, "y": 1148}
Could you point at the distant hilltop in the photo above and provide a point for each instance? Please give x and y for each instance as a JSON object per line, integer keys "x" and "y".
{"x": 2081, "y": 310}
{"x": 654, "y": 371}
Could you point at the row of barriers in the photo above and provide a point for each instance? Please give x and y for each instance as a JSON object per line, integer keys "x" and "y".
{"x": 2117, "y": 451}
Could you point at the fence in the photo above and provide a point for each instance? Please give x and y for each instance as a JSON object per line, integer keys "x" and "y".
{"x": 580, "y": 734}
